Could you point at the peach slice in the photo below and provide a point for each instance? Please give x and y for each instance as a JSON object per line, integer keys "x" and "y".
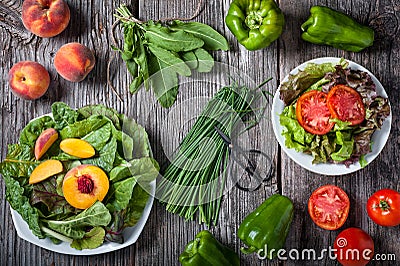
{"x": 78, "y": 148}
{"x": 84, "y": 185}
{"x": 45, "y": 170}
{"x": 44, "y": 142}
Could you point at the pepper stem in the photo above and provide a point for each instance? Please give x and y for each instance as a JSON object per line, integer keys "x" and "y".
{"x": 253, "y": 20}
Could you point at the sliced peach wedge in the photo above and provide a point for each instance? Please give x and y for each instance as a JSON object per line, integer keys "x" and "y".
{"x": 44, "y": 142}
{"x": 45, "y": 170}
{"x": 77, "y": 147}
{"x": 84, "y": 185}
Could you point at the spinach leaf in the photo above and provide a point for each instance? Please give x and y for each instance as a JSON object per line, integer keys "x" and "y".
{"x": 145, "y": 169}
{"x": 170, "y": 59}
{"x": 91, "y": 240}
{"x": 32, "y": 131}
{"x": 120, "y": 193}
{"x": 63, "y": 115}
{"x": 106, "y": 157}
{"x": 177, "y": 41}
{"x": 74, "y": 227}
{"x": 83, "y": 127}
{"x": 212, "y": 39}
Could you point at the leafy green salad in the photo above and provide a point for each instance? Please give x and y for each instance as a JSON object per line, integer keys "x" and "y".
{"x": 344, "y": 143}
{"x": 122, "y": 152}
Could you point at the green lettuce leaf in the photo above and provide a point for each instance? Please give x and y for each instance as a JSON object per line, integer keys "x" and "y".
{"x": 99, "y": 138}
{"x": 120, "y": 194}
{"x": 136, "y": 205}
{"x": 106, "y": 156}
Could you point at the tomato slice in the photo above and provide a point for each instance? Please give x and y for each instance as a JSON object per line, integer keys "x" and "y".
{"x": 313, "y": 114}
{"x": 329, "y": 207}
{"x": 383, "y": 207}
{"x": 346, "y": 104}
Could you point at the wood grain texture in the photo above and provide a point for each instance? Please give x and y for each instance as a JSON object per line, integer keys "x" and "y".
{"x": 165, "y": 235}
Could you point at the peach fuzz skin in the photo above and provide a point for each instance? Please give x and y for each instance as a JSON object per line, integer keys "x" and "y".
{"x": 28, "y": 80}
{"x": 45, "y": 18}
{"x": 44, "y": 142}
{"x": 74, "y": 61}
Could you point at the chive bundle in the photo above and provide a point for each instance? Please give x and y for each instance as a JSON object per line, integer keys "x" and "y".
{"x": 195, "y": 180}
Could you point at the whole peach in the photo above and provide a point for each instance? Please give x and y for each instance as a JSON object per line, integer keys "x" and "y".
{"x": 45, "y": 18}
{"x": 28, "y": 80}
{"x": 74, "y": 61}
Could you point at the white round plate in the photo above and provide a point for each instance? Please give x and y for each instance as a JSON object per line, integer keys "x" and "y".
{"x": 379, "y": 138}
{"x": 130, "y": 234}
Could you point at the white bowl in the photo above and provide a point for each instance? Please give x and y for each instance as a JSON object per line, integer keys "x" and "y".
{"x": 130, "y": 234}
{"x": 379, "y": 138}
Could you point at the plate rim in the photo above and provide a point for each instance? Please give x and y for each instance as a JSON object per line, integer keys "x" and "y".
{"x": 328, "y": 169}
{"x": 23, "y": 231}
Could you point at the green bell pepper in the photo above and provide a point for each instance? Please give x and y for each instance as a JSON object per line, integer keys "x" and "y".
{"x": 205, "y": 250}
{"x": 267, "y": 227}
{"x": 255, "y": 23}
{"x": 330, "y": 27}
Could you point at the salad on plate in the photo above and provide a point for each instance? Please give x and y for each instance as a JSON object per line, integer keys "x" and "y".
{"x": 80, "y": 177}
{"x": 330, "y": 111}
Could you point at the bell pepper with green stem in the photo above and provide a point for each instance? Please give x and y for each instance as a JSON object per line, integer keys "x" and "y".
{"x": 330, "y": 27}
{"x": 267, "y": 227}
{"x": 205, "y": 250}
{"x": 255, "y": 23}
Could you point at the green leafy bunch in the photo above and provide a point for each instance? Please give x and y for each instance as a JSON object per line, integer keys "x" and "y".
{"x": 156, "y": 54}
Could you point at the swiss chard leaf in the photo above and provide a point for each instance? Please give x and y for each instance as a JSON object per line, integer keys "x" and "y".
{"x": 136, "y": 206}
{"x": 106, "y": 156}
{"x": 140, "y": 139}
{"x": 91, "y": 240}
{"x": 120, "y": 194}
{"x": 83, "y": 127}
{"x": 74, "y": 227}
{"x": 102, "y": 110}
{"x": 32, "y": 131}
{"x": 46, "y": 192}
{"x": 63, "y": 115}
{"x": 99, "y": 137}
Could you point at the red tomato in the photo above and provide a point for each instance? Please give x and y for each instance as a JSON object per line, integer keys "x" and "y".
{"x": 353, "y": 247}
{"x": 346, "y": 104}
{"x": 313, "y": 114}
{"x": 329, "y": 207}
{"x": 383, "y": 207}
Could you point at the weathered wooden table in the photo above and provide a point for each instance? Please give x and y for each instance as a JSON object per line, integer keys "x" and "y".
{"x": 165, "y": 235}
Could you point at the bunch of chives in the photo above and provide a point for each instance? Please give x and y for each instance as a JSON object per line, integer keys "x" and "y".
{"x": 195, "y": 180}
